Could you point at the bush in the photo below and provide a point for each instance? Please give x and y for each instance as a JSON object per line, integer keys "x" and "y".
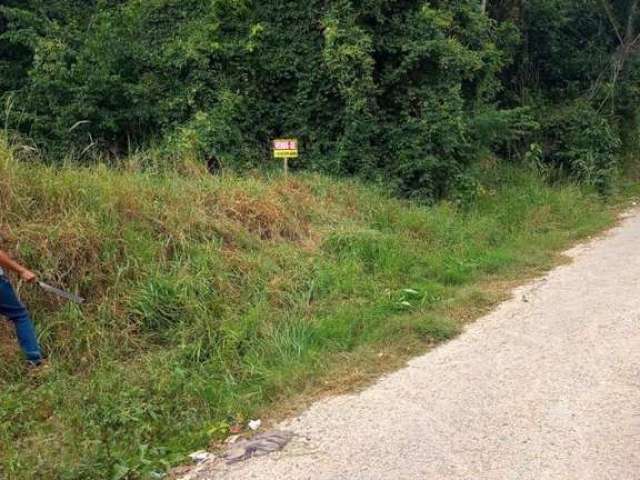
{"x": 505, "y": 131}
{"x": 405, "y": 91}
{"x": 581, "y": 142}
{"x": 375, "y": 88}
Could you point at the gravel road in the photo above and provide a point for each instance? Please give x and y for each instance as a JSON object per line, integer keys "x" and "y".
{"x": 545, "y": 387}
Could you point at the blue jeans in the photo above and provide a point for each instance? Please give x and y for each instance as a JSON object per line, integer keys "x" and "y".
{"x": 12, "y": 308}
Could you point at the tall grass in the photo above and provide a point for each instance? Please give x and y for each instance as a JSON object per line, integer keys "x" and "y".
{"x": 214, "y": 299}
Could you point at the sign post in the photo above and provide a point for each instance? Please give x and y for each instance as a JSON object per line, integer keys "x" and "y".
{"x": 285, "y": 148}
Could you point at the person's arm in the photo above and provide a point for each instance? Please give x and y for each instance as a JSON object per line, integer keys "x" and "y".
{"x": 7, "y": 262}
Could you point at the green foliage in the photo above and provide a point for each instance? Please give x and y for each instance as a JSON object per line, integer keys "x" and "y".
{"x": 504, "y": 131}
{"x": 568, "y": 45}
{"x": 216, "y": 136}
{"x": 411, "y": 92}
{"x": 578, "y": 69}
{"x": 581, "y": 142}
{"x": 376, "y": 89}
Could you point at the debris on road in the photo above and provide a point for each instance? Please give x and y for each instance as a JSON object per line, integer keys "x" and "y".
{"x": 255, "y": 424}
{"x": 258, "y": 446}
{"x": 201, "y": 456}
{"x": 237, "y": 428}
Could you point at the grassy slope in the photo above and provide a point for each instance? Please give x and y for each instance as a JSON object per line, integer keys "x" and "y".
{"x": 211, "y": 299}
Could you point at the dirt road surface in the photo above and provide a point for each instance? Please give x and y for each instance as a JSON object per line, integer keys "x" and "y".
{"x": 545, "y": 387}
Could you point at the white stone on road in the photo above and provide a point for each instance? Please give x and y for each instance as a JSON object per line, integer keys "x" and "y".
{"x": 543, "y": 389}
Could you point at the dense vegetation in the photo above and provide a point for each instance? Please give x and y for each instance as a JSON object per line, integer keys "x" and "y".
{"x": 210, "y": 299}
{"x": 406, "y": 90}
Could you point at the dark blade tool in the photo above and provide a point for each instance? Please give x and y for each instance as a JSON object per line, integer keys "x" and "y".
{"x": 61, "y": 293}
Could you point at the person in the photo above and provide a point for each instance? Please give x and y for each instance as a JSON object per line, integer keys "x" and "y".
{"x": 12, "y": 308}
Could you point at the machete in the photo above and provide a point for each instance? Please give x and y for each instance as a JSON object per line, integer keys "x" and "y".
{"x": 61, "y": 293}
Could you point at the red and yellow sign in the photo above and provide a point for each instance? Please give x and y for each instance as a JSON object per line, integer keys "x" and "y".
{"x": 285, "y": 148}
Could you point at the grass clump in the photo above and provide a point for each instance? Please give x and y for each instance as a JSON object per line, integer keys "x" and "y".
{"x": 212, "y": 299}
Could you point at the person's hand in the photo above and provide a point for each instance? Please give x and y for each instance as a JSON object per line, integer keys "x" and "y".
{"x": 28, "y": 276}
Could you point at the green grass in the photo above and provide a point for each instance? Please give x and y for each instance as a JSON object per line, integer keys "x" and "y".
{"x": 215, "y": 299}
